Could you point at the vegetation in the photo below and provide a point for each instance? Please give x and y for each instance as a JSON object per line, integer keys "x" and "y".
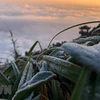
{"x": 66, "y": 71}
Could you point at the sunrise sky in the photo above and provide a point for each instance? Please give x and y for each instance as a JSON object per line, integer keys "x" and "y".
{"x": 84, "y": 2}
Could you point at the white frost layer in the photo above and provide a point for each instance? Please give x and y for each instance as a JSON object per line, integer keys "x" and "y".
{"x": 92, "y": 38}
{"x": 87, "y": 55}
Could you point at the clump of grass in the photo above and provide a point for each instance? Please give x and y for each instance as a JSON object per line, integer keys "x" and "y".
{"x": 60, "y": 72}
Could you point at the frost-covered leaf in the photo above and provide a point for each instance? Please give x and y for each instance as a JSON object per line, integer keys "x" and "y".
{"x": 28, "y": 77}
{"x": 59, "y": 53}
{"x": 8, "y": 70}
{"x": 63, "y": 72}
{"x": 36, "y": 82}
{"x": 30, "y": 72}
{"x": 55, "y": 51}
{"x": 4, "y": 79}
{"x": 92, "y": 38}
{"x": 96, "y": 32}
{"x": 87, "y": 55}
{"x": 64, "y": 64}
{"x": 15, "y": 69}
{"x": 24, "y": 75}
{"x": 15, "y": 87}
{"x": 44, "y": 66}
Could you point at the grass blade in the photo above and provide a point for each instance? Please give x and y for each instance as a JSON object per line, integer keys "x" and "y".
{"x": 19, "y": 77}
{"x": 80, "y": 85}
{"x": 37, "y": 81}
{"x": 56, "y": 91}
{"x": 31, "y": 49}
{"x": 64, "y": 64}
{"x": 62, "y": 72}
{"x": 15, "y": 69}
{"x": 4, "y": 79}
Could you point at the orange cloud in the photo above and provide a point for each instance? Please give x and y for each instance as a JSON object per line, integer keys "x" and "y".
{"x": 84, "y": 2}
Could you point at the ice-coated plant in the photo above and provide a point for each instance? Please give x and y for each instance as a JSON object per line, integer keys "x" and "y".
{"x": 68, "y": 72}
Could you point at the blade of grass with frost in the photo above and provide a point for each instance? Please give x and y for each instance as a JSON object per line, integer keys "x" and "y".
{"x": 15, "y": 69}
{"x": 8, "y": 70}
{"x": 92, "y": 38}
{"x": 24, "y": 76}
{"x": 30, "y": 72}
{"x": 87, "y": 55}
{"x": 36, "y": 82}
{"x": 29, "y": 76}
{"x": 4, "y": 79}
{"x": 19, "y": 77}
{"x": 76, "y": 95}
{"x": 63, "y": 64}
{"x": 44, "y": 91}
{"x": 63, "y": 72}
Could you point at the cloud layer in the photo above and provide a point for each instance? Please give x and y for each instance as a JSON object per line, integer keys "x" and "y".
{"x": 35, "y": 22}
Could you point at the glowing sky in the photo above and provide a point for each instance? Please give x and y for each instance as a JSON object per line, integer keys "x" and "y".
{"x": 84, "y": 2}
{"x": 30, "y": 22}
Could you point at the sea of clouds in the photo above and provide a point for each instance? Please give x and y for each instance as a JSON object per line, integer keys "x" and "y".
{"x": 29, "y": 23}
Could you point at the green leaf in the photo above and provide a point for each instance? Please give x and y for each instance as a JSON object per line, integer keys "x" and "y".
{"x": 15, "y": 69}
{"x": 19, "y": 77}
{"x": 63, "y": 72}
{"x": 30, "y": 96}
{"x": 56, "y": 91}
{"x": 91, "y": 89}
{"x": 72, "y": 68}
{"x": 80, "y": 85}
{"x": 8, "y": 70}
{"x": 4, "y": 79}
{"x": 36, "y": 82}
{"x": 37, "y": 97}
{"x": 31, "y": 49}
{"x": 96, "y": 93}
